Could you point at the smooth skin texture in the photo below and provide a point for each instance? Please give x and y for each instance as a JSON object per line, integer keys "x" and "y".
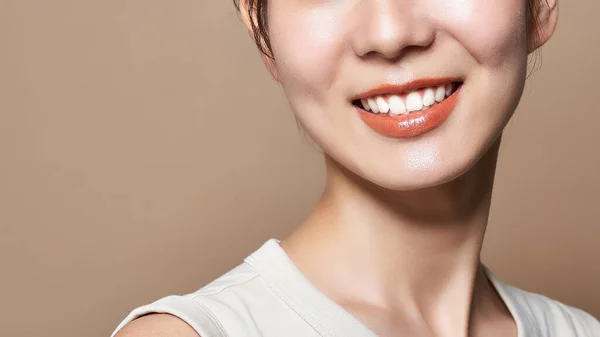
{"x": 396, "y": 237}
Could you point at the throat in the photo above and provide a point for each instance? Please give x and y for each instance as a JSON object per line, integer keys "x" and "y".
{"x": 462, "y": 309}
{"x": 379, "y": 251}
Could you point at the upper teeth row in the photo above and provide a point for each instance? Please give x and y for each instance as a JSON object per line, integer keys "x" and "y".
{"x": 413, "y": 101}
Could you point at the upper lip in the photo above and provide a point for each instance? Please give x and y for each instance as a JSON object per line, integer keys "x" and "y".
{"x": 406, "y": 87}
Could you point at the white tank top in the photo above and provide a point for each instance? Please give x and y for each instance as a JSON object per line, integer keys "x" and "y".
{"x": 267, "y": 296}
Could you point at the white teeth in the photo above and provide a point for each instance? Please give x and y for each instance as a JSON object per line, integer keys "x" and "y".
{"x": 440, "y": 93}
{"x": 428, "y": 97}
{"x": 448, "y": 89}
{"x": 365, "y": 104}
{"x": 414, "y": 102}
{"x": 373, "y": 105}
{"x": 397, "y": 106}
{"x": 382, "y": 105}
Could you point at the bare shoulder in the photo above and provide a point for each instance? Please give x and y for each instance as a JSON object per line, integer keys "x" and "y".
{"x": 157, "y": 325}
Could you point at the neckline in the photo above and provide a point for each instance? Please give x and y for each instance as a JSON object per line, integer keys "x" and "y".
{"x": 328, "y": 318}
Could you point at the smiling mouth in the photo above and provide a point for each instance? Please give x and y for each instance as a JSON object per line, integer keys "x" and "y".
{"x": 394, "y": 113}
{"x": 406, "y": 102}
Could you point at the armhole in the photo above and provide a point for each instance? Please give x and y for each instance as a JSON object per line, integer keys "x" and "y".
{"x": 183, "y": 307}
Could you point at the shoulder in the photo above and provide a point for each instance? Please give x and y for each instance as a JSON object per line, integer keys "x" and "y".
{"x": 157, "y": 325}
{"x": 201, "y": 313}
{"x": 175, "y": 315}
{"x": 549, "y": 317}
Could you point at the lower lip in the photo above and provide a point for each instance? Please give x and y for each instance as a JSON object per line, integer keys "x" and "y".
{"x": 412, "y": 124}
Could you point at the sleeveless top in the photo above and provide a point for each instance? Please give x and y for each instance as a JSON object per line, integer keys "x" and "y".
{"x": 267, "y": 296}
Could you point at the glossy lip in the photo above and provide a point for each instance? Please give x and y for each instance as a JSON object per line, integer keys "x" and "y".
{"x": 407, "y": 87}
{"x": 411, "y": 124}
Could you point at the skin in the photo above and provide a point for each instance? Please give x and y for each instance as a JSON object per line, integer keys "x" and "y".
{"x": 396, "y": 237}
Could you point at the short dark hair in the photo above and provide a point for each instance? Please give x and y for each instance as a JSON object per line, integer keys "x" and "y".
{"x": 257, "y": 12}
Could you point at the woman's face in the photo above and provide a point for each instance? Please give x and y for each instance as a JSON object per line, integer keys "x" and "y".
{"x": 330, "y": 53}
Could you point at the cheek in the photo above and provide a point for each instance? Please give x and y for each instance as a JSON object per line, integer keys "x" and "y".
{"x": 492, "y": 31}
{"x": 307, "y": 45}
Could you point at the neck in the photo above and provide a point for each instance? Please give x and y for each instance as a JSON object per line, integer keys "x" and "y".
{"x": 409, "y": 251}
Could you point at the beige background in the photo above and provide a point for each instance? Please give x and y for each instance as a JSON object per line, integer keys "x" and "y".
{"x": 145, "y": 151}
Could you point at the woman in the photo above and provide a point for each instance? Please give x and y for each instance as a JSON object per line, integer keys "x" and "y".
{"x": 408, "y": 100}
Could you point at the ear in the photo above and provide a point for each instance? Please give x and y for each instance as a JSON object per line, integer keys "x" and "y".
{"x": 246, "y": 14}
{"x": 545, "y": 20}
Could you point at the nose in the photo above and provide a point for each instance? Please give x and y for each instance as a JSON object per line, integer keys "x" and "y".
{"x": 389, "y": 27}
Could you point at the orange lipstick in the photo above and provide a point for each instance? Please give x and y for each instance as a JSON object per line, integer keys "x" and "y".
{"x": 413, "y": 123}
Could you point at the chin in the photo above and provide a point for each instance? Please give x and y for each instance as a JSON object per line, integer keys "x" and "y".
{"x": 425, "y": 163}
{"x": 416, "y": 179}
{"x": 420, "y": 180}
